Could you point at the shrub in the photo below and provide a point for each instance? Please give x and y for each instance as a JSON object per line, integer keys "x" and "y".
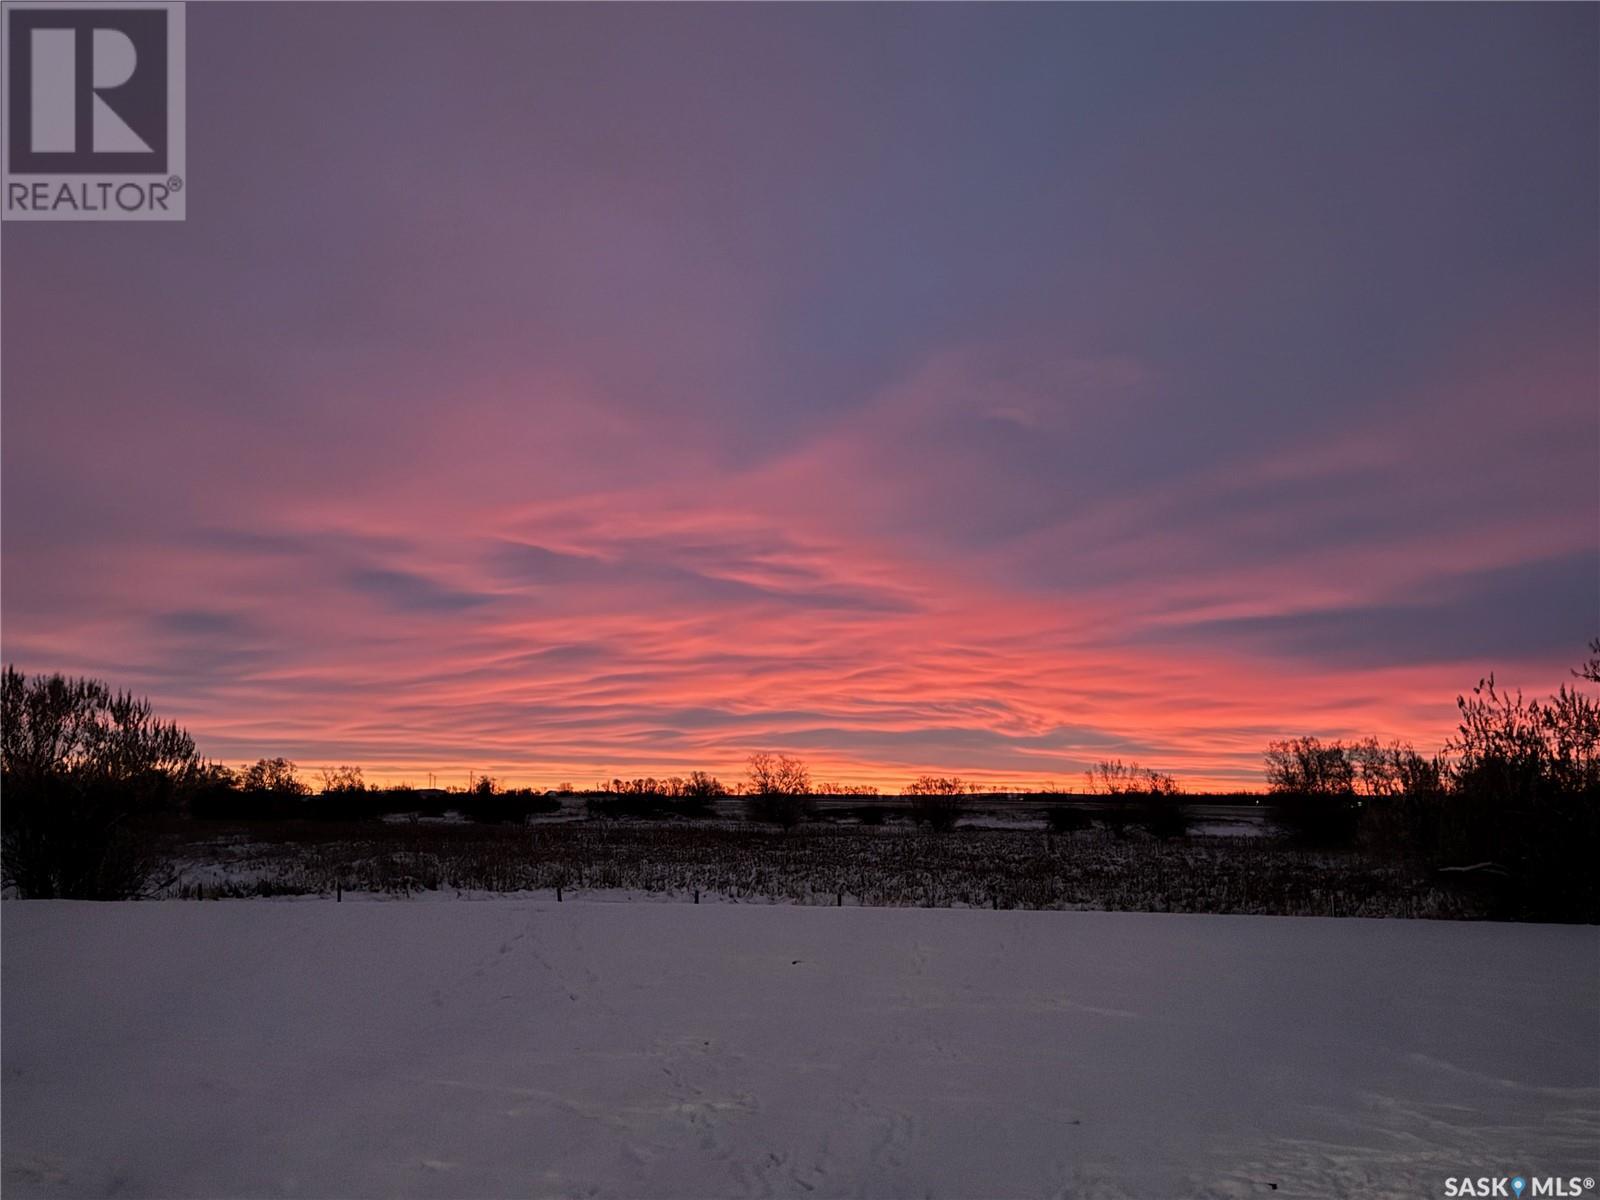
{"x": 1118, "y": 818}
{"x": 276, "y": 775}
{"x": 939, "y": 813}
{"x": 785, "y": 809}
{"x": 1163, "y": 816}
{"x": 1113, "y": 777}
{"x": 1403, "y": 797}
{"x": 1139, "y": 797}
{"x": 1513, "y": 812}
{"x": 1314, "y": 820}
{"x": 343, "y": 805}
{"x": 86, "y": 773}
{"x": 937, "y": 801}
{"x": 638, "y": 805}
{"x": 1313, "y": 788}
{"x": 694, "y": 805}
{"x": 513, "y": 807}
{"x": 342, "y": 779}
{"x": 1062, "y": 819}
{"x": 697, "y": 795}
{"x": 1525, "y": 796}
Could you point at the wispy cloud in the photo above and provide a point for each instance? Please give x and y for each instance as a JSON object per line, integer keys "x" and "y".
{"x": 982, "y": 390}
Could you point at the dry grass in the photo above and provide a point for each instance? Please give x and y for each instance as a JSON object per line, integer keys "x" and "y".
{"x": 815, "y": 864}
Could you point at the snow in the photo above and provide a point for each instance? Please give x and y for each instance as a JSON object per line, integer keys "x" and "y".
{"x": 1227, "y": 829}
{"x": 528, "y": 1048}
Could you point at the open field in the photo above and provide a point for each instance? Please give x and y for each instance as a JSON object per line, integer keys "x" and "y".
{"x": 531, "y": 1049}
{"x": 894, "y": 864}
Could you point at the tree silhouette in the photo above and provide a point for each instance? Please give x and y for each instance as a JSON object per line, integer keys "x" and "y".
{"x": 779, "y": 789}
{"x": 85, "y": 771}
{"x": 938, "y": 800}
{"x": 277, "y": 776}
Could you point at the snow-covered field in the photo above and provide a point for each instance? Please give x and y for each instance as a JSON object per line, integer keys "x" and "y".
{"x": 526, "y": 1048}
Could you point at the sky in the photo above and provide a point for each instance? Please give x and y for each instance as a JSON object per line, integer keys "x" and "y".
{"x": 562, "y": 392}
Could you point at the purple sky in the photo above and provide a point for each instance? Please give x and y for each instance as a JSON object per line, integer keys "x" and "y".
{"x": 568, "y": 391}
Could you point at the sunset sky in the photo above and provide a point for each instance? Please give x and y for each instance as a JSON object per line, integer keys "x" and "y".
{"x": 564, "y": 392}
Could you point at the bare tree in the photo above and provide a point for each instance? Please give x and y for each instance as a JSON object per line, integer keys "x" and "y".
{"x": 276, "y": 775}
{"x": 342, "y": 779}
{"x": 699, "y": 794}
{"x": 1113, "y": 777}
{"x": 701, "y": 784}
{"x": 1590, "y": 668}
{"x": 938, "y": 785}
{"x": 778, "y": 775}
{"x": 1307, "y": 766}
{"x": 938, "y": 800}
{"x": 1144, "y": 797}
{"x": 779, "y": 789}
